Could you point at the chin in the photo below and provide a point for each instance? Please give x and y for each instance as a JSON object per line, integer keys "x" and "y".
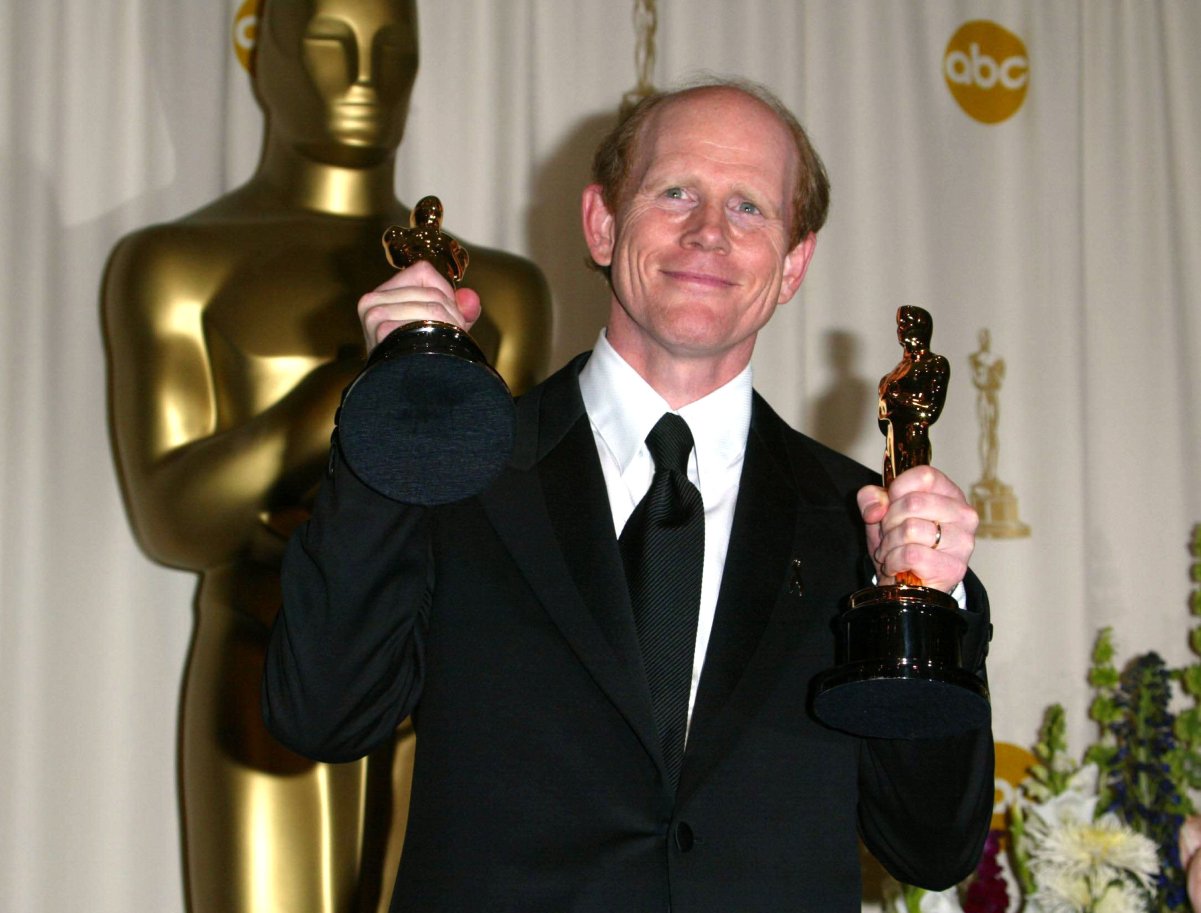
{"x": 349, "y": 149}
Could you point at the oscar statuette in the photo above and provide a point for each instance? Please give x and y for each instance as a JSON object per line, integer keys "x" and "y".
{"x": 898, "y": 670}
{"x": 428, "y": 420}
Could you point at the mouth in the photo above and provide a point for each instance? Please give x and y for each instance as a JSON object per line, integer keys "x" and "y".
{"x": 357, "y": 109}
{"x": 357, "y": 120}
{"x": 697, "y": 278}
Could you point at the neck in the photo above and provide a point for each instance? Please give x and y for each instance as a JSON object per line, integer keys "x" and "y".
{"x": 681, "y": 378}
{"x": 321, "y": 187}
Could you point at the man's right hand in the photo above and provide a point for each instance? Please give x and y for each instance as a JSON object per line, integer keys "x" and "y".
{"x": 417, "y": 293}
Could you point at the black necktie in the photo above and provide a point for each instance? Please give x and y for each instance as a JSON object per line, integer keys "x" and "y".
{"x": 663, "y": 546}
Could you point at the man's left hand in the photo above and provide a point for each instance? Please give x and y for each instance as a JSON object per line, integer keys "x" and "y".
{"x": 922, "y": 524}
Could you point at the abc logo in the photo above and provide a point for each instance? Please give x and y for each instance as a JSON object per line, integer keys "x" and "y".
{"x": 987, "y": 70}
{"x": 245, "y": 30}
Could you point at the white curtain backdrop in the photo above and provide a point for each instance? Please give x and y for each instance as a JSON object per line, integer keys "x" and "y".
{"x": 1071, "y": 230}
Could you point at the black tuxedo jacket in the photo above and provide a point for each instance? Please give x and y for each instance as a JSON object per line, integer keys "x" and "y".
{"x": 503, "y": 626}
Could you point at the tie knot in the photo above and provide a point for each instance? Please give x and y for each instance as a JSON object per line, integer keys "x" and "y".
{"x": 670, "y": 442}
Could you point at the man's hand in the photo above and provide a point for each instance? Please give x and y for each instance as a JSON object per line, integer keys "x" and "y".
{"x": 922, "y": 523}
{"x": 417, "y": 293}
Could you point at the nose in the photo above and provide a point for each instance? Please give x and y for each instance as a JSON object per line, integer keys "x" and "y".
{"x": 707, "y": 228}
{"x": 364, "y": 55}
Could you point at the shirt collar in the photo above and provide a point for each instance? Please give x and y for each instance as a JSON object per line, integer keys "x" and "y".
{"x": 623, "y": 408}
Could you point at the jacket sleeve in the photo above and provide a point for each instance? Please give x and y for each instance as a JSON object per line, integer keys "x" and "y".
{"x": 925, "y": 805}
{"x": 344, "y": 663}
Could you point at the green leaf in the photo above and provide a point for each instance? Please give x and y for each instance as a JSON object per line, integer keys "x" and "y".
{"x": 1104, "y": 710}
{"x": 1188, "y": 728}
{"x": 1103, "y": 649}
{"x": 1190, "y": 675}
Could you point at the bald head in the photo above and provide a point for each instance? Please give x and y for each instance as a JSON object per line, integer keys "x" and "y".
{"x": 616, "y": 157}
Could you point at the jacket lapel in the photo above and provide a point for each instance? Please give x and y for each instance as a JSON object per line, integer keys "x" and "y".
{"x": 551, "y": 509}
{"x": 784, "y": 569}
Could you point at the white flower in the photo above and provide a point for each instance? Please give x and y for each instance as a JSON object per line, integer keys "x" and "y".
{"x": 941, "y": 902}
{"x": 1101, "y": 850}
{"x": 1100, "y": 865}
{"x": 1078, "y": 801}
{"x": 1122, "y": 897}
{"x": 1060, "y": 892}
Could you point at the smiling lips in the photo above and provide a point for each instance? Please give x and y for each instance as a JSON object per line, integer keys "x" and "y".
{"x": 692, "y": 277}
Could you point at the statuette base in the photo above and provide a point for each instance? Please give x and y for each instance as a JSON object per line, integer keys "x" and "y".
{"x": 997, "y": 506}
{"x": 899, "y": 672}
{"x": 427, "y": 421}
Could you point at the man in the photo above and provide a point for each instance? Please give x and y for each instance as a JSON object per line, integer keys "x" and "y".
{"x": 544, "y": 779}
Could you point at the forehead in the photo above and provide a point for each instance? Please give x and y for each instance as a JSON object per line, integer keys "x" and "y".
{"x": 722, "y": 128}
{"x": 295, "y": 14}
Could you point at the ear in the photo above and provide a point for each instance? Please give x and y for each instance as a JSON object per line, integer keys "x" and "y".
{"x": 598, "y": 225}
{"x": 796, "y": 264}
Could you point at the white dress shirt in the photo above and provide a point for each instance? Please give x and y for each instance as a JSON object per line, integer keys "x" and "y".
{"x": 622, "y": 409}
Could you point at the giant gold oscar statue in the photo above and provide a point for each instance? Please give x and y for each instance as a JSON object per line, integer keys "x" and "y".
{"x": 231, "y": 334}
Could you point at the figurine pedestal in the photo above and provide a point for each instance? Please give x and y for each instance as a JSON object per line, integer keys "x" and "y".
{"x": 899, "y": 671}
{"x": 427, "y": 421}
{"x": 997, "y": 506}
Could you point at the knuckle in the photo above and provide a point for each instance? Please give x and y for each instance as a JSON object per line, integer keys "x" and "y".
{"x": 918, "y": 503}
{"x": 971, "y": 519}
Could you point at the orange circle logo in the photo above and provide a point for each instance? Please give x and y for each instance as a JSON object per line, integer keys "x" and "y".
{"x": 987, "y": 70}
{"x": 245, "y": 31}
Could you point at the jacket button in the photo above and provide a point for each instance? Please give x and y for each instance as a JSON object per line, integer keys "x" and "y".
{"x": 684, "y": 836}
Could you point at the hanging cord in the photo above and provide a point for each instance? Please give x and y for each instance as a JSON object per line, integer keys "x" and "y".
{"x": 646, "y": 23}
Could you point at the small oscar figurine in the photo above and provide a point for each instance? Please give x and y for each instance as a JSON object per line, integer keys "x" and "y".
{"x": 428, "y": 420}
{"x": 899, "y": 672}
{"x": 425, "y": 240}
{"x": 993, "y": 500}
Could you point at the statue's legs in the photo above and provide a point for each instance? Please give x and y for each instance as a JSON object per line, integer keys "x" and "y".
{"x": 265, "y": 830}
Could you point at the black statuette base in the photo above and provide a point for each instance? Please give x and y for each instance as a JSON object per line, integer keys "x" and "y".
{"x": 427, "y": 421}
{"x": 899, "y": 672}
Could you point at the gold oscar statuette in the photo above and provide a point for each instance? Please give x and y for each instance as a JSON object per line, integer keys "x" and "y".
{"x": 428, "y": 420}
{"x": 898, "y": 670}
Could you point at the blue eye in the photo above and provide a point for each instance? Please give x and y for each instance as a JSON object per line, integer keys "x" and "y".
{"x": 674, "y": 193}
{"x": 748, "y": 208}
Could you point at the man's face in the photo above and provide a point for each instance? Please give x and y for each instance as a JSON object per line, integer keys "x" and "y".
{"x": 698, "y": 248}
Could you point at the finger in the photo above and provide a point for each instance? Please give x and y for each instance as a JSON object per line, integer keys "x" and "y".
{"x": 947, "y": 510}
{"x": 421, "y": 273}
{"x": 416, "y": 293}
{"x": 937, "y": 569}
{"x": 468, "y": 302}
{"x": 924, "y": 479}
{"x": 929, "y": 529}
{"x": 1190, "y": 838}
{"x": 873, "y": 503}
{"x": 380, "y": 318}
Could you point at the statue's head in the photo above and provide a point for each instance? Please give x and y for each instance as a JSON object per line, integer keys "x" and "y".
{"x": 914, "y": 327}
{"x": 335, "y": 76}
